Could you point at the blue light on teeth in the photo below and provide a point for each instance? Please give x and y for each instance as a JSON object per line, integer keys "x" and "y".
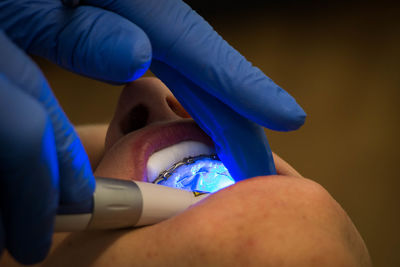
{"x": 205, "y": 174}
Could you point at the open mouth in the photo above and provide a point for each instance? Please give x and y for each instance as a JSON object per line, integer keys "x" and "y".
{"x": 183, "y": 156}
{"x": 163, "y": 159}
{"x": 143, "y": 154}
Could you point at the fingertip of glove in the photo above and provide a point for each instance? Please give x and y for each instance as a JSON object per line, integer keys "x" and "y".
{"x": 32, "y": 256}
{"x": 32, "y": 252}
{"x": 284, "y": 113}
{"x": 128, "y": 58}
{"x": 102, "y": 45}
{"x": 292, "y": 122}
{"x": 297, "y": 119}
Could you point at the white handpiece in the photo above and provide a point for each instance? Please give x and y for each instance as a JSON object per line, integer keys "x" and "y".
{"x": 121, "y": 204}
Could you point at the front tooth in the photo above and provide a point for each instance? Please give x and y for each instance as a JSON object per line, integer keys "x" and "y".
{"x": 165, "y": 158}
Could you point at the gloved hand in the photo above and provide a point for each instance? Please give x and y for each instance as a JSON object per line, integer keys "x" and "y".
{"x": 116, "y": 40}
{"x": 42, "y": 161}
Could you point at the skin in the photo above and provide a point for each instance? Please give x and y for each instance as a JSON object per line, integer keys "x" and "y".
{"x": 280, "y": 220}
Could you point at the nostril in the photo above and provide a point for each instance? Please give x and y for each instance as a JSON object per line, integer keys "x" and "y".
{"x": 176, "y": 107}
{"x": 137, "y": 118}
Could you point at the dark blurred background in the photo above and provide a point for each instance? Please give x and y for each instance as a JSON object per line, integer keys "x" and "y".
{"x": 341, "y": 61}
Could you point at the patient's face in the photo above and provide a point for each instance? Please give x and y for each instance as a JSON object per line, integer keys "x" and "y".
{"x": 150, "y": 131}
{"x": 262, "y": 218}
{"x": 265, "y": 221}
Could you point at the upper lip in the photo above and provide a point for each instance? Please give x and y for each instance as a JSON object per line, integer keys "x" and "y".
{"x": 160, "y": 135}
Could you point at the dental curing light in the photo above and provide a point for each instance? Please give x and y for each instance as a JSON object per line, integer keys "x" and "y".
{"x": 120, "y": 204}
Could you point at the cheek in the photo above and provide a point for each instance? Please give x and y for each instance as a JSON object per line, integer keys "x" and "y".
{"x": 116, "y": 163}
{"x": 112, "y": 166}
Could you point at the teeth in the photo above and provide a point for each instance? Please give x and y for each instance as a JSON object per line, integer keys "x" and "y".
{"x": 165, "y": 158}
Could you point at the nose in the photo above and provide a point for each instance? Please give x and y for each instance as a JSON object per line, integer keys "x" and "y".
{"x": 141, "y": 103}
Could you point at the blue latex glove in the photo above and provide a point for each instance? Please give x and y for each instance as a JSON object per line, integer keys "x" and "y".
{"x": 240, "y": 143}
{"x": 42, "y": 161}
{"x": 115, "y": 41}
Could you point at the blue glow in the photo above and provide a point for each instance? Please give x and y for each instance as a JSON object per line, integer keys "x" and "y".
{"x": 205, "y": 175}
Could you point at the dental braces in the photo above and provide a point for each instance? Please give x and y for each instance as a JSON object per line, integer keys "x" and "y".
{"x": 201, "y": 174}
{"x": 186, "y": 161}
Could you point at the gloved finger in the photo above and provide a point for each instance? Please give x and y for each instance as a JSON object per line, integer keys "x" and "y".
{"x": 76, "y": 178}
{"x": 185, "y": 41}
{"x": 241, "y": 144}
{"x": 87, "y": 40}
{"x": 29, "y": 174}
